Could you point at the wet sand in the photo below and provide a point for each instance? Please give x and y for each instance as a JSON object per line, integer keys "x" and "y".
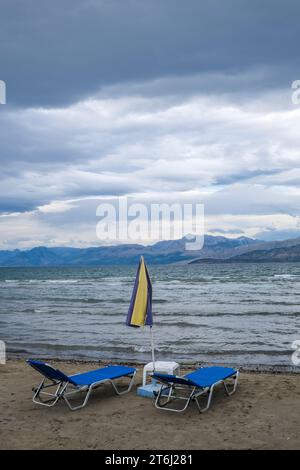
{"x": 263, "y": 414}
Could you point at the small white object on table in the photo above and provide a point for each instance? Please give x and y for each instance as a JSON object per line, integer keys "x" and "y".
{"x": 164, "y": 367}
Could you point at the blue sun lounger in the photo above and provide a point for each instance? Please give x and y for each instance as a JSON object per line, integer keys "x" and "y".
{"x": 64, "y": 386}
{"x": 196, "y": 385}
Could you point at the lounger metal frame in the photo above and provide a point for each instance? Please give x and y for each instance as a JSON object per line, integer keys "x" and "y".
{"x": 168, "y": 392}
{"x": 61, "y": 391}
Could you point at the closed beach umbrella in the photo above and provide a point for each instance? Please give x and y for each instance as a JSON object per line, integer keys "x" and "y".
{"x": 140, "y": 309}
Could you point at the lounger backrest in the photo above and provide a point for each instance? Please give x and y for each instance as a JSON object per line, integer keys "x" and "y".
{"x": 169, "y": 379}
{"x": 49, "y": 371}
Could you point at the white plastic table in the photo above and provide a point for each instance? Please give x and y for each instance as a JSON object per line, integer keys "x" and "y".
{"x": 164, "y": 367}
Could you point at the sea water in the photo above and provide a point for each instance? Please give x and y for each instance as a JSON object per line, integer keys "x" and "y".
{"x": 239, "y": 314}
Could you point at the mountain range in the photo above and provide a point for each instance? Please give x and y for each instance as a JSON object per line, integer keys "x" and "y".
{"x": 215, "y": 249}
{"x": 283, "y": 251}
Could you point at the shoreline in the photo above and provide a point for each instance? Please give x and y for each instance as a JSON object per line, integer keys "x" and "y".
{"x": 251, "y": 369}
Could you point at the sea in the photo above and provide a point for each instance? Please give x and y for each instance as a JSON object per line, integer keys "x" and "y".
{"x": 245, "y": 315}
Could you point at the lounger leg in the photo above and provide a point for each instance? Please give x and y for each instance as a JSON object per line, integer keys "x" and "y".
{"x": 39, "y": 391}
{"x": 169, "y": 396}
{"x": 210, "y": 394}
{"x": 85, "y": 400}
{"x": 162, "y": 406}
{"x": 88, "y": 391}
{"x": 127, "y": 389}
{"x": 233, "y": 387}
{"x": 211, "y": 390}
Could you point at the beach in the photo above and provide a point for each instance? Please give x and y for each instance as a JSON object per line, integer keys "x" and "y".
{"x": 263, "y": 414}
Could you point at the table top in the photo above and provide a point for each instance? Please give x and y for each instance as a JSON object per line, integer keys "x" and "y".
{"x": 162, "y": 365}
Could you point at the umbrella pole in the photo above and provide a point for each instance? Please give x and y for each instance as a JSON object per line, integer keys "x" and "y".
{"x": 152, "y": 348}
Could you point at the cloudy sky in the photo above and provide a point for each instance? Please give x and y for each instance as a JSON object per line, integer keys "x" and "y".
{"x": 156, "y": 100}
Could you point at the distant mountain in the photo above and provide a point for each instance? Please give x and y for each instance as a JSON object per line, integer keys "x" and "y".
{"x": 287, "y": 254}
{"x": 277, "y": 235}
{"x": 215, "y": 249}
{"x": 285, "y": 251}
{"x": 163, "y": 252}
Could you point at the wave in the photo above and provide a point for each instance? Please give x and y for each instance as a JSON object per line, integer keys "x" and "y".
{"x": 90, "y": 300}
{"x": 177, "y": 349}
{"x": 183, "y": 324}
{"x": 228, "y": 314}
{"x": 87, "y": 300}
{"x": 178, "y": 319}
{"x": 41, "y": 281}
{"x": 286, "y": 276}
{"x": 71, "y": 314}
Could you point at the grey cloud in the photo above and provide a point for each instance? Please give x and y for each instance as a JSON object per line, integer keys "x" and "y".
{"x": 253, "y": 199}
{"x": 126, "y": 145}
{"x": 227, "y": 232}
{"x": 58, "y": 52}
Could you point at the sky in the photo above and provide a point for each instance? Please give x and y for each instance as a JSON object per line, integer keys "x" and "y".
{"x": 153, "y": 100}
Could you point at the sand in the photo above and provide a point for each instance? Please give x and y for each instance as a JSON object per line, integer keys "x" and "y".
{"x": 263, "y": 414}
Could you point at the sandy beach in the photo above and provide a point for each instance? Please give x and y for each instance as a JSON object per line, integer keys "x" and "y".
{"x": 263, "y": 414}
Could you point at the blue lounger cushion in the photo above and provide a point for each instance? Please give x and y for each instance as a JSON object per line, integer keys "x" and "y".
{"x": 172, "y": 379}
{"x": 48, "y": 371}
{"x": 203, "y": 377}
{"x": 106, "y": 373}
{"x": 207, "y": 376}
{"x": 85, "y": 378}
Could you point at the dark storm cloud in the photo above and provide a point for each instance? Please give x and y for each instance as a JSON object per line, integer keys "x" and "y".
{"x": 158, "y": 99}
{"x": 53, "y": 53}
